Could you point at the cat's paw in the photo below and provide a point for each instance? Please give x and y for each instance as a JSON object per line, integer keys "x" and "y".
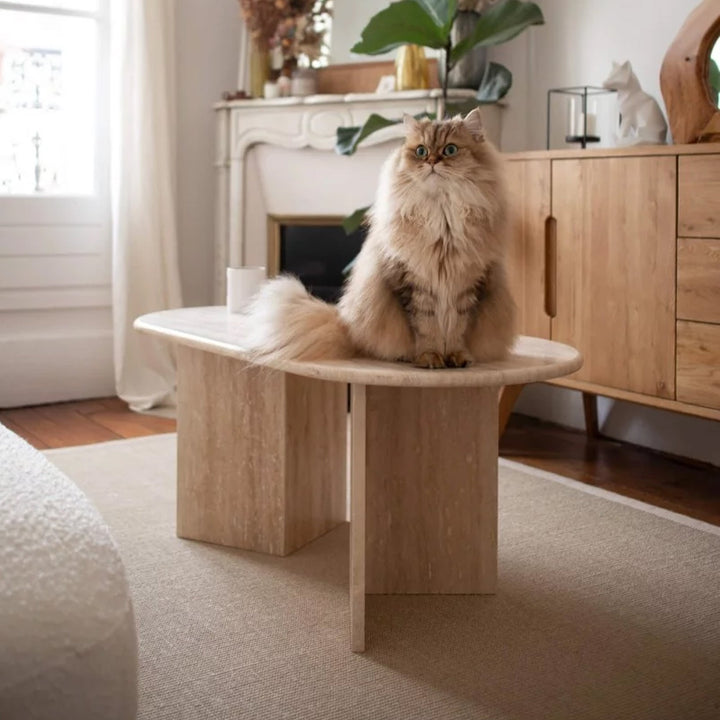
{"x": 459, "y": 359}
{"x": 429, "y": 359}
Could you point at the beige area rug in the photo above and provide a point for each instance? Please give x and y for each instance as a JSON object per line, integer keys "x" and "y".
{"x": 605, "y": 611}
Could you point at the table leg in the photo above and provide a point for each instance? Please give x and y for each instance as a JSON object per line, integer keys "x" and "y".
{"x": 428, "y": 475}
{"x": 357, "y": 517}
{"x": 261, "y": 454}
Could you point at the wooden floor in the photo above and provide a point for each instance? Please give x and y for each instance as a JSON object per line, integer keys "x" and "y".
{"x": 683, "y": 486}
{"x": 81, "y": 423}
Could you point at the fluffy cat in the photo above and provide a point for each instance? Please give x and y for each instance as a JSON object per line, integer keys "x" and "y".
{"x": 429, "y": 284}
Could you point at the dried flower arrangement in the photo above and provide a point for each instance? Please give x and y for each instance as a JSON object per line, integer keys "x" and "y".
{"x": 298, "y": 27}
{"x": 261, "y": 19}
{"x": 303, "y": 32}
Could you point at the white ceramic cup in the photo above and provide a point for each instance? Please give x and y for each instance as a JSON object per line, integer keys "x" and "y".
{"x": 242, "y": 284}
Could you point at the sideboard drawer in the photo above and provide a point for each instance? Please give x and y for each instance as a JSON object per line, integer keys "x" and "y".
{"x": 698, "y": 363}
{"x": 699, "y": 196}
{"x": 698, "y": 279}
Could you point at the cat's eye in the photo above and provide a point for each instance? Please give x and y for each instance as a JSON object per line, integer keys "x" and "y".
{"x": 450, "y": 150}
{"x": 421, "y": 151}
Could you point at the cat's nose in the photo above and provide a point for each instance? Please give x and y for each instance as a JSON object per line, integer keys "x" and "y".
{"x": 434, "y": 159}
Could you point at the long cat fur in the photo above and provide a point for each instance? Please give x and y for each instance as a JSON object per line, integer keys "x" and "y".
{"x": 429, "y": 284}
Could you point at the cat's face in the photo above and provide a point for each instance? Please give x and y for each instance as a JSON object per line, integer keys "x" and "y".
{"x": 439, "y": 153}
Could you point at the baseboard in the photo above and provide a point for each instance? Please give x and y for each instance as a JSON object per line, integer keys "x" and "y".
{"x": 38, "y": 370}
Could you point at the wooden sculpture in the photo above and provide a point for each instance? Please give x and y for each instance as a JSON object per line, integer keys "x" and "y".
{"x": 684, "y": 83}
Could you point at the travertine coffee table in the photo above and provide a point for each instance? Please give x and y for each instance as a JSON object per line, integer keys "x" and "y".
{"x": 262, "y": 456}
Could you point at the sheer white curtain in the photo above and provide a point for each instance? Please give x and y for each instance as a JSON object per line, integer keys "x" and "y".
{"x": 145, "y": 257}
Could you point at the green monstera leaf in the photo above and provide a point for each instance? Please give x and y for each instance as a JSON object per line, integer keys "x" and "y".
{"x": 401, "y": 23}
{"x": 442, "y": 12}
{"x": 347, "y": 139}
{"x": 429, "y": 22}
{"x": 353, "y": 222}
{"x": 495, "y": 84}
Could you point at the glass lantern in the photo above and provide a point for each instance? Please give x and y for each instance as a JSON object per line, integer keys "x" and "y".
{"x": 580, "y": 115}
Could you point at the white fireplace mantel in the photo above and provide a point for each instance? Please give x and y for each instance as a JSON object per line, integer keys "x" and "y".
{"x": 300, "y": 123}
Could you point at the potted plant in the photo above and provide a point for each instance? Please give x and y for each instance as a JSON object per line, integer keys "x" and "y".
{"x": 432, "y": 24}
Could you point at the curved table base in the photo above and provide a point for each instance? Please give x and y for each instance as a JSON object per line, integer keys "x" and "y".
{"x": 262, "y": 455}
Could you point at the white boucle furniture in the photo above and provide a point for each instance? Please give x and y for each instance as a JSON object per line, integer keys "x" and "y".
{"x": 68, "y": 646}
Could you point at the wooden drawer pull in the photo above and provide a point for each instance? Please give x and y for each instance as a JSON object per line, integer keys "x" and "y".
{"x": 551, "y": 266}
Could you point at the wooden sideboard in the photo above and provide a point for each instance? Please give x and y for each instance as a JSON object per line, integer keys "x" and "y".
{"x": 617, "y": 253}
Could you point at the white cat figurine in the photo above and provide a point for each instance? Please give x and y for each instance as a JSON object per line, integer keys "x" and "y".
{"x": 641, "y": 119}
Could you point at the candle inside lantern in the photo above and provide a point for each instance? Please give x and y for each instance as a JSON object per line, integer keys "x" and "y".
{"x": 572, "y": 116}
{"x": 591, "y": 127}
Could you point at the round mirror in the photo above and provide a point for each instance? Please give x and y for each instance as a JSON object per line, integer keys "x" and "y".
{"x": 689, "y": 77}
{"x": 713, "y": 73}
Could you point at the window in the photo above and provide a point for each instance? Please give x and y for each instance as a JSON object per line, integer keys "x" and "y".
{"x": 55, "y": 246}
{"x": 49, "y": 96}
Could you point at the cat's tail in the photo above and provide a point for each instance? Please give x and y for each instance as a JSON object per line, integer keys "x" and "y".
{"x": 285, "y": 322}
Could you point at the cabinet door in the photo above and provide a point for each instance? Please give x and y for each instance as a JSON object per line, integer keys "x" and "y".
{"x": 698, "y": 279}
{"x": 616, "y": 269}
{"x": 698, "y": 363}
{"x": 529, "y": 185}
{"x": 699, "y": 196}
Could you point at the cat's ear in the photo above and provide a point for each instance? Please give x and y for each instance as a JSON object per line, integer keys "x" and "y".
{"x": 626, "y": 71}
{"x": 410, "y": 124}
{"x": 473, "y": 122}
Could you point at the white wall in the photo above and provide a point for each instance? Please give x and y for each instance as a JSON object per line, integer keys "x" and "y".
{"x": 207, "y": 33}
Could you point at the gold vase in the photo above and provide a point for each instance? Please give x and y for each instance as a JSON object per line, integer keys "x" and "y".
{"x": 411, "y": 68}
{"x": 259, "y": 69}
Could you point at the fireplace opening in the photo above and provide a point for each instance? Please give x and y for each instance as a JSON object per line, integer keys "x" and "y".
{"x": 316, "y": 250}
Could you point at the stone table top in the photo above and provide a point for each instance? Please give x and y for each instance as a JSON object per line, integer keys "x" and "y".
{"x": 216, "y": 330}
